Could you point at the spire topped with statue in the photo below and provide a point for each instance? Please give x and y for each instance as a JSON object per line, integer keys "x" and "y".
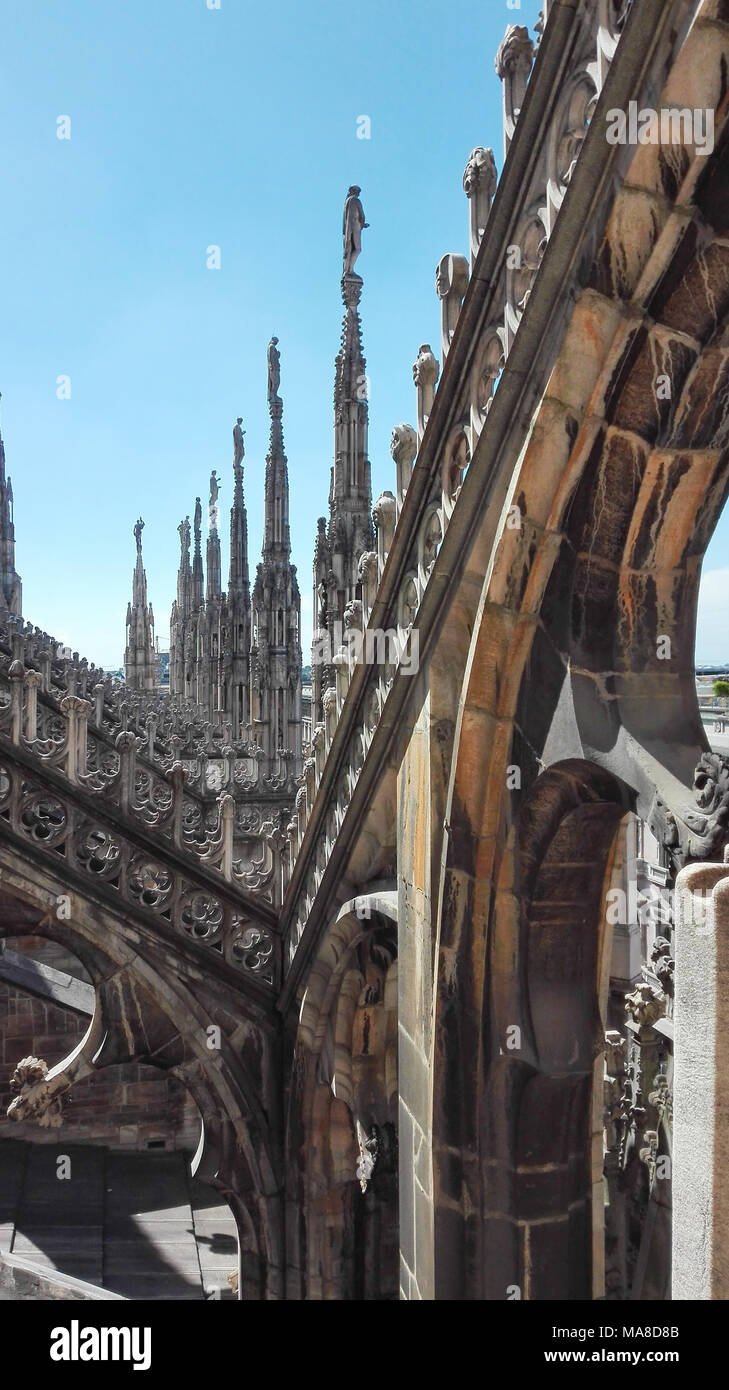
{"x": 276, "y": 603}
{"x": 140, "y": 665}
{"x": 349, "y": 533}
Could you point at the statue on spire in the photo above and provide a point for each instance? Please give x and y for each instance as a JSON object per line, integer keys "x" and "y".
{"x": 184, "y": 533}
{"x": 238, "y": 445}
{"x": 138, "y": 534}
{"x": 353, "y": 223}
{"x": 198, "y": 519}
{"x": 274, "y": 370}
{"x": 214, "y": 487}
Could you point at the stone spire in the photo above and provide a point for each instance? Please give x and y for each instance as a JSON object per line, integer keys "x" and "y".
{"x": 196, "y": 593}
{"x": 276, "y": 535}
{"x": 237, "y": 648}
{"x": 180, "y": 612}
{"x": 11, "y": 589}
{"x": 140, "y": 668}
{"x": 238, "y": 577}
{"x": 349, "y": 533}
{"x": 275, "y": 678}
{"x": 214, "y": 585}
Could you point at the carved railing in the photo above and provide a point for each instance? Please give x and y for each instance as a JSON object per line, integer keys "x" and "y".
{"x": 383, "y": 626}
{"x": 103, "y": 749}
{"x": 154, "y": 869}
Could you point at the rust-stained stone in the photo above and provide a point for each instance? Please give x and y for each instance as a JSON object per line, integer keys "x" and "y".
{"x": 693, "y": 295}
{"x": 702, "y": 414}
{"x": 649, "y": 382}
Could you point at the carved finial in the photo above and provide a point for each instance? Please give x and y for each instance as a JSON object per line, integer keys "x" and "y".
{"x": 515, "y": 52}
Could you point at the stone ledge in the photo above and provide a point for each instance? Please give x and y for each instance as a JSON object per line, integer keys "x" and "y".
{"x": 21, "y": 1280}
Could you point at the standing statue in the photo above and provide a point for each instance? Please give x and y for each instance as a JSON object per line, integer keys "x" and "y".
{"x": 138, "y": 535}
{"x": 214, "y": 487}
{"x": 274, "y": 370}
{"x": 238, "y": 446}
{"x": 184, "y": 532}
{"x": 352, "y": 224}
{"x": 198, "y": 516}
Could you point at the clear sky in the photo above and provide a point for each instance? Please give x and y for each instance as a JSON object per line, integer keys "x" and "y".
{"x": 236, "y": 127}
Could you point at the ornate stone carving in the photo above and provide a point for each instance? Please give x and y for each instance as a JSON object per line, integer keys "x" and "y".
{"x": 34, "y": 1100}
{"x": 645, "y": 1005}
{"x": 700, "y": 832}
{"x": 369, "y": 1144}
{"x": 403, "y": 448}
{"x": 479, "y": 184}
{"x": 425, "y": 375}
{"x": 513, "y": 62}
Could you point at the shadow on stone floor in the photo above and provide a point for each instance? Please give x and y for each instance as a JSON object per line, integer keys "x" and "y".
{"x": 137, "y": 1224}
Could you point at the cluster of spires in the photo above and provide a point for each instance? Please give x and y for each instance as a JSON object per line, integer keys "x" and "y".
{"x": 230, "y": 652}
{"x": 236, "y": 654}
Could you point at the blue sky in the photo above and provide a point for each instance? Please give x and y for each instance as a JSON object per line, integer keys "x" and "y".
{"x": 234, "y": 127}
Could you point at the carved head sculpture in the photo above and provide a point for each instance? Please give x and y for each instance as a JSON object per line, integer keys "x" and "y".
{"x": 425, "y": 366}
{"x": 480, "y": 172}
{"x": 403, "y": 444}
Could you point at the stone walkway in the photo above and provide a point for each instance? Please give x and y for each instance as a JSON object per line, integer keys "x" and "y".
{"x": 135, "y": 1223}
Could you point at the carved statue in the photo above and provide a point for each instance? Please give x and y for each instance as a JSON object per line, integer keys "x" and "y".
{"x": 198, "y": 516}
{"x": 369, "y": 1145}
{"x": 479, "y": 175}
{"x": 184, "y": 533}
{"x": 238, "y": 446}
{"x": 403, "y": 445}
{"x": 274, "y": 369}
{"x": 138, "y": 535}
{"x": 353, "y": 223}
{"x": 214, "y": 487}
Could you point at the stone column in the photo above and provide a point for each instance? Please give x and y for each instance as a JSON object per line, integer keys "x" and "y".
{"x": 16, "y": 673}
{"x": 514, "y": 64}
{"x": 451, "y": 283}
{"x": 384, "y": 516}
{"x": 33, "y": 682}
{"x": 425, "y": 376}
{"x": 479, "y": 185}
{"x": 701, "y": 1085}
{"x": 403, "y": 448}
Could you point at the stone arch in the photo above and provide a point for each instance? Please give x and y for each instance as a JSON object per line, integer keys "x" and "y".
{"x": 513, "y": 1141}
{"x": 341, "y": 1131}
{"x": 148, "y": 1014}
{"x": 618, "y": 489}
